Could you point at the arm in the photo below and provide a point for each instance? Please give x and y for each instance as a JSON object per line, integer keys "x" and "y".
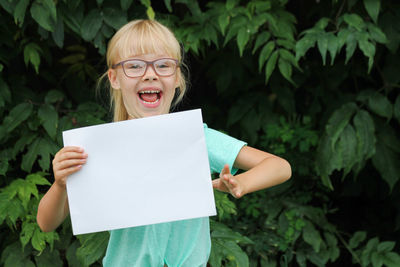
{"x": 53, "y": 207}
{"x": 263, "y": 170}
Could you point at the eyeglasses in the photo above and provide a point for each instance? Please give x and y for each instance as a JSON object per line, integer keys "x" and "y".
{"x": 137, "y": 67}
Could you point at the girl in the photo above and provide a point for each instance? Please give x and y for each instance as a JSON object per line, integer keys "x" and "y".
{"x": 144, "y": 70}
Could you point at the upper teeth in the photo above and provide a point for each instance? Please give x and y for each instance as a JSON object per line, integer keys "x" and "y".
{"x": 150, "y": 92}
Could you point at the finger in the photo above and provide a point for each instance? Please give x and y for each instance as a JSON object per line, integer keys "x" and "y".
{"x": 70, "y": 155}
{"x": 65, "y": 164}
{"x": 236, "y": 194}
{"x": 233, "y": 182}
{"x": 215, "y": 183}
{"x": 225, "y": 170}
{"x": 67, "y": 172}
{"x": 69, "y": 149}
{"x": 225, "y": 181}
{"x": 72, "y": 149}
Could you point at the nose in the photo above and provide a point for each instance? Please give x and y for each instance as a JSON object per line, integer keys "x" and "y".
{"x": 150, "y": 73}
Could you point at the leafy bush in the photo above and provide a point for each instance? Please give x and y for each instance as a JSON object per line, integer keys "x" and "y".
{"x": 313, "y": 81}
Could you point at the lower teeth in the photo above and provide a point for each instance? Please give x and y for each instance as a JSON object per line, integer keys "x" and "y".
{"x": 151, "y": 102}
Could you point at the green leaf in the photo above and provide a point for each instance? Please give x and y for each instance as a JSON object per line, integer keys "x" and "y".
{"x": 381, "y": 105}
{"x": 376, "y": 33}
{"x": 376, "y": 259}
{"x": 262, "y": 38}
{"x": 44, "y": 13}
{"x": 357, "y": 238}
{"x": 17, "y": 115}
{"x": 242, "y": 39}
{"x": 29, "y": 158}
{"x": 26, "y": 138}
{"x": 286, "y": 69}
{"x": 146, "y": 3}
{"x": 8, "y": 5}
{"x": 49, "y": 119}
{"x": 387, "y": 163}
{"x": 289, "y": 45}
{"x": 368, "y": 50}
{"x": 5, "y": 94}
{"x": 3, "y": 168}
{"x": 351, "y": 44}
{"x": 24, "y": 191}
{"x": 223, "y": 22}
{"x": 115, "y": 17}
{"x": 372, "y": 7}
{"x": 354, "y": 20}
{"x": 289, "y": 57}
{"x": 224, "y": 206}
{"x": 38, "y": 240}
{"x": 322, "y": 44}
{"x": 386, "y": 246}
{"x": 333, "y": 46}
{"x": 271, "y": 65}
{"x": 150, "y": 13}
{"x": 347, "y": 148}
{"x": 304, "y": 44}
{"x": 265, "y": 54}
{"x": 237, "y": 23}
{"x": 19, "y": 12}
{"x": 125, "y": 4}
{"x": 14, "y": 256}
{"x": 322, "y": 23}
{"x": 93, "y": 247}
{"x": 230, "y": 250}
{"x": 391, "y": 259}
{"x": 237, "y": 111}
{"x": 54, "y": 96}
{"x": 338, "y": 121}
{"x": 168, "y": 5}
{"x": 311, "y": 236}
{"x": 37, "y": 179}
{"x": 396, "y": 108}
{"x": 27, "y": 232}
{"x": 49, "y": 258}
{"x": 365, "y": 130}
{"x": 230, "y": 4}
{"x": 31, "y": 54}
{"x": 71, "y": 255}
{"x": 15, "y": 210}
{"x": 91, "y": 24}
{"x": 58, "y": 33}
{"x": 221, "y": 231}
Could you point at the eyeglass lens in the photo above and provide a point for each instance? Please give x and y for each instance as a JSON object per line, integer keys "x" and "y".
{"x": 163, "y": 67}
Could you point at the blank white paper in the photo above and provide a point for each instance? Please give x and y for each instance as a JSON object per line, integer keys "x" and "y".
{"x": 139, "y": 172}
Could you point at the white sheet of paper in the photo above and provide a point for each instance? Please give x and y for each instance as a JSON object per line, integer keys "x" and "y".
{"x": 139, "y": 172}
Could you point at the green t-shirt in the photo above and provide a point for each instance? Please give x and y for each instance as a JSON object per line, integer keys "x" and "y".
{"x": 179, "y": 243}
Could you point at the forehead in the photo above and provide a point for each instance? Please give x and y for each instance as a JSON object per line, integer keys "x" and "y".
{"x": 150, "y": 43}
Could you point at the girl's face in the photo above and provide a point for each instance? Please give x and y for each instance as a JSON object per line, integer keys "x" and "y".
{"x": 147, "y": 95}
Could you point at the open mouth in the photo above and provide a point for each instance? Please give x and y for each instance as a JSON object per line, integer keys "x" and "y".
{"x": 150, "y": 97}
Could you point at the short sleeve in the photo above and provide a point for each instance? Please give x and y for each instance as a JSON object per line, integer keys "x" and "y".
{"x": 222, "y": 149}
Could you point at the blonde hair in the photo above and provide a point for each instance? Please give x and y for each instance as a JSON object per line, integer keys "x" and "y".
{"x": 142, "y": 37}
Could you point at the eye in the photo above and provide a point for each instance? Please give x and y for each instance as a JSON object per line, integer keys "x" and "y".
{"x": 165, "y": 63}
{"x": 134, "y": 65}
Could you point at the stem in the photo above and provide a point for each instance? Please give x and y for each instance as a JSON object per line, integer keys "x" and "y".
{"x": 339, "y": 13}
{"x": 348, "y": 248}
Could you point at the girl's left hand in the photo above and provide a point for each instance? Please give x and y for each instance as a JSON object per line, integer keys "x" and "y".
{"x": 228, "y": 183}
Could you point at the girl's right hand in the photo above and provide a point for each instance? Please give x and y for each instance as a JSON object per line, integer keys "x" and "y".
{"x": 66, "y": 162}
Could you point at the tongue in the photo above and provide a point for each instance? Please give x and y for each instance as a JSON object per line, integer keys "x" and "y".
{"x": 149, "y": 97}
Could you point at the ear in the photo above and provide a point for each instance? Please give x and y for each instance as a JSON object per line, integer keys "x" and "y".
{"x": 177, "y": 78}
{"x": 112, "y": 77}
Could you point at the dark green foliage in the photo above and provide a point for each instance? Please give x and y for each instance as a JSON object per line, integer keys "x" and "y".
{"x": 316, "y": 82}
